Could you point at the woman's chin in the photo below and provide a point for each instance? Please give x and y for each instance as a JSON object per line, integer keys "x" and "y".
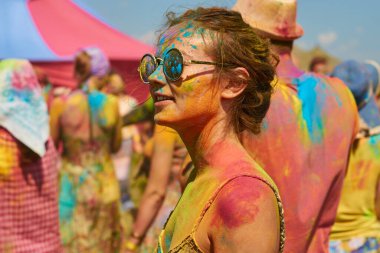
{"x": 163, "y": 119}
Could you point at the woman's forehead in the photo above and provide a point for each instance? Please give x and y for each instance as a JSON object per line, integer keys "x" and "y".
{"x": 184, "y": 35}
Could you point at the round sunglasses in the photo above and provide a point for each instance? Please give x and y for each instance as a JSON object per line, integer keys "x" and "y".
{"x": 172, "y": 65}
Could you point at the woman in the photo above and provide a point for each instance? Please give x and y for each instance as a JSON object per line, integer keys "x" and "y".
{"x": 28, "y": 164}
{"x": 357, "y": 224}
{"x": 211, "y": 79}
{"x": 87, "y": 123}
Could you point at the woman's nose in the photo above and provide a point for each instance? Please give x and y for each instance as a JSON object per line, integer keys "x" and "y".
{"x": 157, "y": 78}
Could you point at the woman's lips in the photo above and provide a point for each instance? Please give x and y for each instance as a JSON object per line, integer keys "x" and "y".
{"x": 162, "y": 99}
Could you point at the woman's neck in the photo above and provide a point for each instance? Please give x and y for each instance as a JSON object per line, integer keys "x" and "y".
{"x": 209, "y": 145}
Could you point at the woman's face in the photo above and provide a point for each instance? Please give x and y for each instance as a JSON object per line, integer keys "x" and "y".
{"x": 194, "y": 99}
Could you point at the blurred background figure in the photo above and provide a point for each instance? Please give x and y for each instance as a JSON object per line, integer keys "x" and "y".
{"x": 28, "y": 164}
{"x": 49, "y": 91}
{"x": 301, "y": 132}
{"x": 374, "y": 68}
{"x": 87, "y": 123}
{"x": 47, "y": 87}
{"x": 319, "y": 65}
{"x": 131, "y": 139}
{"x": 162, "y": 190}
{"x": 357, "y": 225}
{"x": 152, "y": 181}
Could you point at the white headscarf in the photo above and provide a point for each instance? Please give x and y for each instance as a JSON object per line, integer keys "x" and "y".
{"x": 23, "y": 111}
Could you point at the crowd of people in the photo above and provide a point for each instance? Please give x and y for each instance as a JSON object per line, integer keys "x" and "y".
{"x": 236, "y": 149}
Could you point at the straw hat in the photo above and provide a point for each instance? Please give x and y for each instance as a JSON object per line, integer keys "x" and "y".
{"x": 275, "y": 19}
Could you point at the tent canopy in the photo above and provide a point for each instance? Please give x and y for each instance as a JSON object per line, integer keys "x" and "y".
{"x": 50, "y": 32}
{"x": 54, "y": 30}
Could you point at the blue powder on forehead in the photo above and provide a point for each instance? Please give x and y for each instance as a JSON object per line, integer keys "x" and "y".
{"x": 194, "y": 46}
{"x": 187, "y": 34}
{"x": 179, "y": 39}
{"x": 162, "y": 40}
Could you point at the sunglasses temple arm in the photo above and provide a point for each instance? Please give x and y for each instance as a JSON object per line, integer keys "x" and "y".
{"x": 210, "y": 63}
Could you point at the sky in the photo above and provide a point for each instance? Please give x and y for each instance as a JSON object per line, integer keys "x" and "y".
{"x": 347, "y": 29}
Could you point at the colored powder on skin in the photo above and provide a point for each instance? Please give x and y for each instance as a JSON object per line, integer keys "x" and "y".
{"x": 188, "y": 86}
{"x": 162, "y": 40}
{"x": 188, "y": 26}
{"x": 67, "y": 199}
{"x": 179, "y": 39}
{"x": 193, "y": 46}
{"x": 187, "y": 34}
{"x": 240, "y": 207}
{"x": 310, "y": 110}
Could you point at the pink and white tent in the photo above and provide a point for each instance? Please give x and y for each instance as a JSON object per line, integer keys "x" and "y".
{"x": 49, "y": 33}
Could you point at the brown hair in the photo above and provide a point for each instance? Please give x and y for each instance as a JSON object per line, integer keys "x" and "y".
{"x": 82, "y": 67}
{"x": 236, "y": 43}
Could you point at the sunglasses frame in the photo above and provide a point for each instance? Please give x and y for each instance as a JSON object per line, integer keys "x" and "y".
{"x": 158, "y": 61}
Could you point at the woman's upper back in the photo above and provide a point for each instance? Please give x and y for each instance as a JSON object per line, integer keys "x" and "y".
{"x": 74, "y": 117}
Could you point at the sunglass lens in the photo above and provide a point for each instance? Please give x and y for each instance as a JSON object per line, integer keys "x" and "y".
{"x": 147, "y": 66}
{"x": 173, "y": 64}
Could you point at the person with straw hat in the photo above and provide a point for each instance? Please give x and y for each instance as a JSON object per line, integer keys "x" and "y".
{"x": 307, "y": 134}
{"x": 357, "y": 225}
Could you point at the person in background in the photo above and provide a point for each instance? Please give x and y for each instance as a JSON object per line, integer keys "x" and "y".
{"x": 211, "y": 79}
{"x": 374, "y": 69}
{"x": 47, "y": 87}
{"x": 357, "y": 225}
{"x": 162, "y": 191}
{"x": 87, "y": 123}
{"x": 305, "y": 142}
{"x": 318, "y": 65}
{"x": 131, "y": 141}
{"x": 28, "y": 164}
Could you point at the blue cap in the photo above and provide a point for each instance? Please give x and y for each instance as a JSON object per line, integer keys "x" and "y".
{"x": 362, "y": 80}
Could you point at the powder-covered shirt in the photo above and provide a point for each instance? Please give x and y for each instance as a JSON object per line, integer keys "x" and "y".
{"x": 356, "y": 215}
{"x": 304, "y": 146}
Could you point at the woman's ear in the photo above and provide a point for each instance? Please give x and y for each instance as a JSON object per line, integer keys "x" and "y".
{"x": 236, "y": 84}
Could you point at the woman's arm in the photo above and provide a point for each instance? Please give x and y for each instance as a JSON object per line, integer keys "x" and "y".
{"x": 158, "y": 181}
{"x": 144, "y": 112}
{"x": 243, "y": 218}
